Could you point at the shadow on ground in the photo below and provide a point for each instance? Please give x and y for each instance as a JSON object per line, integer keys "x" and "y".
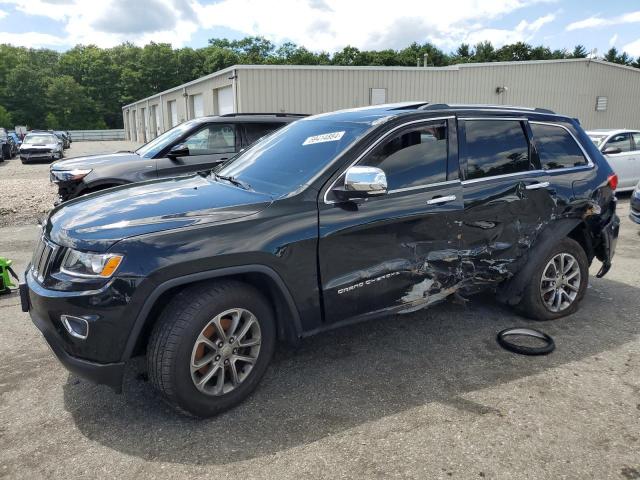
{"x": 347, "y": 377}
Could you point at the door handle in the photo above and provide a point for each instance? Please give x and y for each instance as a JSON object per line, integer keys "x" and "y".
{"x": 536, "y": 186}
{"x": 438, "y": 200}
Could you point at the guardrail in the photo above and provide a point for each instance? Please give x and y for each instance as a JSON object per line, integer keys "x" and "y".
{"x": 92, "y": 135}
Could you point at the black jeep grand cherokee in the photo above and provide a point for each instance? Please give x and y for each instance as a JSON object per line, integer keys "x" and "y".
{"x": 334, "y": 219}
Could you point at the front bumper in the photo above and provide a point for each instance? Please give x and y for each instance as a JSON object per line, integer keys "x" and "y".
{"x": 66, "y": 190}
{"x": 99, "y": 358}
{"x": 40, "y": 156}
{"x": 609, "y": 239}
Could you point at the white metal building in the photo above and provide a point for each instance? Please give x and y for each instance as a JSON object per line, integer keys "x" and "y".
{"x": 599, "y": 93}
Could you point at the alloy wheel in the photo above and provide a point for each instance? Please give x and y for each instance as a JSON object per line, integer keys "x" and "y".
{"x": 225, "y": 352}
{"x": 560, "y": 282}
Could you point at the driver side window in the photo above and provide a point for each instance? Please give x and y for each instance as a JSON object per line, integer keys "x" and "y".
{"x": 416, "y": 156}
{"x": 215, "y": 138}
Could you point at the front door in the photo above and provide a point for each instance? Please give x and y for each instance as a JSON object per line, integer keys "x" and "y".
{"x": 208, "y": 147}
{"x": 399, "y": 251}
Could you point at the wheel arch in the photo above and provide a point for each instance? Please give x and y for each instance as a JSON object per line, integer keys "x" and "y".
{"x": 261, "y": 277}
{"x": 510, "y": 292}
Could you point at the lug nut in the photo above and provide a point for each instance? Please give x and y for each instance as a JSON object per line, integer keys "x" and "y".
{"x": 231, "y": 340}
{"x": 226, "y": 362}
{"x": 220, "y": 344}
{"x": 217, "y": 357}
{"x": 235, "y": 351}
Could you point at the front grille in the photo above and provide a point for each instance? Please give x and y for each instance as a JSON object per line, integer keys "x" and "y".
{"x": 43, "y": 257}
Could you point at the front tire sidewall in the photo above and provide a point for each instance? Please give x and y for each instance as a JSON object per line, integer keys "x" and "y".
{"x": 188, "y": 397}
{"x": 533, "y": 305}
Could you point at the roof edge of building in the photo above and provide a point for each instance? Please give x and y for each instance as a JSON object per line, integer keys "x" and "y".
{"x": 376, "y": 67}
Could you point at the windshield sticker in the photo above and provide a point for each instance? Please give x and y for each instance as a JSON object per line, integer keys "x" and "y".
{"x": 325, "y": 137}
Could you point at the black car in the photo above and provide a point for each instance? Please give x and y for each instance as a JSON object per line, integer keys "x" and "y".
{"x": 635, "y": 204}
{"x": 332, "y": 220}
{"x": 194, "y": 145}
{"x": 5, "y": 145}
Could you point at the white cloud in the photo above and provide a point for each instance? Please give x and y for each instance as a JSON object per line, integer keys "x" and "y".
{"x": 613, "y": 40}
{"x": 524, "y": 31}
{"x": 3, "y": 14}
{"x": 317, "y": 24}
{"x": 32, "y": 39}
{"x": 632, "y": 48}
{"x": 597, "y": 21}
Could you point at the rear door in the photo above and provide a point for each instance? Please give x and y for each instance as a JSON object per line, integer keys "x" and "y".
{"x": 623, "y": 163}
{"x": 398, "y": 251}
{"x": 507, "y": 196}
{"x": 208, "y": 147}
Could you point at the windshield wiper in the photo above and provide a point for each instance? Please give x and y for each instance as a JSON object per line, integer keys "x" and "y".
{"x": 233, "y": 180}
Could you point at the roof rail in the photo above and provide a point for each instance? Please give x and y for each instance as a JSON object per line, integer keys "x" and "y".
{"x": 258, "y": 114}
{"x": 461, "y": 106}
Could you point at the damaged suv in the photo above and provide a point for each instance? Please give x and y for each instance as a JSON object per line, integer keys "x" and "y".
{"x": 333, "y": 219}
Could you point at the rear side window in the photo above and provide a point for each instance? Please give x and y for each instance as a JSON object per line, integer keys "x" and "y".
{"x": 621, "y": 141}
{"x": 255, "y": 131}
{"x": 414, "y": 157}
{"x": 494, "y": 147}
{"x": 636, "y": 140}
{"x": 556, "y": 147}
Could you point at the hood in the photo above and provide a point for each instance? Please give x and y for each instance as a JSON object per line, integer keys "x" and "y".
{"x": 95, "y": 222}
{"x": 93, "y": 161}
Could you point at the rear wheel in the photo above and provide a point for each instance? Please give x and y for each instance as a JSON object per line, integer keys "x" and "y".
{"x": 558, "y": 284}
{"x": 211, "y": 346}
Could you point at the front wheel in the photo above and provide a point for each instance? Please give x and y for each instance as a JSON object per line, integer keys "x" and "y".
{"x": 558, "y": 284}
{"x": 211, "y": 346}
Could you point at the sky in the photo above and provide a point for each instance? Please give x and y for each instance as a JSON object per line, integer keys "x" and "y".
{"x": 324, "y": 25}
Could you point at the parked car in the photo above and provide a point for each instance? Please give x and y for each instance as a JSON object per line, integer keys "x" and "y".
{"x": 194, "y": 145}
{"x": 5, "y": 146}
{"x": 634, "y": 215}
{"x": 64, "y": 136}
{"x": 16, "y": 138}
{"x": 334, "y": 219}
{"x": 40, "y": 146}
{"x": 622, "y": 150}
{"x": 13, "y": 146}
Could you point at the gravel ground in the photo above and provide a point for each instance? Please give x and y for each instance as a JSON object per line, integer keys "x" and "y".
{"x": 423, "y": 396}
{"x": 26, "y": 193}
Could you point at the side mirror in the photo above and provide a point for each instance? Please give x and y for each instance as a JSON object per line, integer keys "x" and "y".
{"x": 362, "y": 182}
{"x": 611, "y": 151}
{"x": 180, "y": 150}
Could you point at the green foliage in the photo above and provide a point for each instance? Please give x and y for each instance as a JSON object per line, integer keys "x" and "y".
{"x": 86, "y": 86}
{"x": 5, "y": 118}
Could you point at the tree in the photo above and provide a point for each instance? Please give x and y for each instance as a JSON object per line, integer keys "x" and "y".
{"x": 25, "y": 90}
{"x": 69, "y": 106}
{"x": 611, "y": 55}
{"x": 579, "y": 52}
{"x": 484, "y": 52}
{"x": 5, "y": 118}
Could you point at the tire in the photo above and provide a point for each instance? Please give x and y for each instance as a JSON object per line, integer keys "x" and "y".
{"x": 535, "y": 303}
{"x": 174, "y": 345}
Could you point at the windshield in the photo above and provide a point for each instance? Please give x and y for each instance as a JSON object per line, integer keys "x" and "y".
{"x": 597, "y": 139}
{"x": 155, "y": 146}
{"x": 35, "y": 139}
{"x": 290, "y": 157}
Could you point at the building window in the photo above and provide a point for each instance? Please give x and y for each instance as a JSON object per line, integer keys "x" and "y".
{"x": 601, "y": 104}
{"x": 378, "y": 96}
{"x": 172, "y": 113}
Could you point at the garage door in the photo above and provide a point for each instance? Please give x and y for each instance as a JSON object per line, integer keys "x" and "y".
{"x": 225, "y": 100}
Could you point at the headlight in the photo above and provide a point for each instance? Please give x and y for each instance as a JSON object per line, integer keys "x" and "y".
{"x": 94, "y": 265}
{"x": 69, "y": 175}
